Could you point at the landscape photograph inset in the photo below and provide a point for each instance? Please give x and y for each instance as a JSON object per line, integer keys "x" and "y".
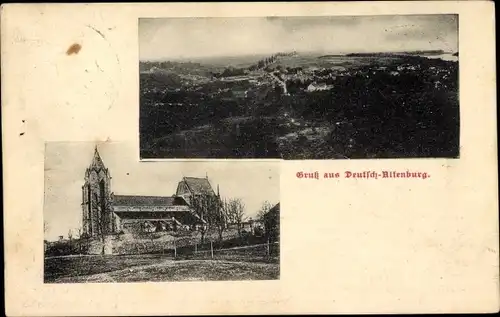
{"x": 329, "y": 87}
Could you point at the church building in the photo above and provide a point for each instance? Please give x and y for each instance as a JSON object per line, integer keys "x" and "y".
{"x": 106, "y": 213}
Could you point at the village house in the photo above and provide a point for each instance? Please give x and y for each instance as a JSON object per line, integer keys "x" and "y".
{"x": 318, "y": 87}
{"x": 105, "y": 213}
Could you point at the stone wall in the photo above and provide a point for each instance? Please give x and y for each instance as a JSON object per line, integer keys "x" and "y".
{"x": 146, "y": 243}
{"x": 157, "y": 242}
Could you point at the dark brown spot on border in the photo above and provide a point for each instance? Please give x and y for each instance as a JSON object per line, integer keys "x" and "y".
{"x": 74, "y": 49}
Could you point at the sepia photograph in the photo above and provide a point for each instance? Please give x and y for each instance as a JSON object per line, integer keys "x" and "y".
{"x": 112, "y": 219}
{"x": 321, "y": 87}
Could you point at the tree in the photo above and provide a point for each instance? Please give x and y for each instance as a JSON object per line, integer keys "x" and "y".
{"x": 45, "y": 227}
{"x": 70, "y": 238}
{"x": 235, "y": 210}
{"x": 204, "y": 206}
{"x": 264, "y": 209}
{"x": 220, "y": 217}
{"x": 80, "y": 240}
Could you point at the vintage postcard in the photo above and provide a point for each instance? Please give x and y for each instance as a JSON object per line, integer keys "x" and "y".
{"x": 250, "y": 158}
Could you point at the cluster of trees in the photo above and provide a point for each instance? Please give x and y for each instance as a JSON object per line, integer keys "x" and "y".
{"x": 263, "y": 63}
{"x": 230, "y": 71}
{"x": 297, "y": 85}
{"x": 147, "y": 65}
{"x": 76, "y": 243}
{"x": 218, "y": 213}
{"x": 182, "y": 110}
{"x": 164, "y": 113}
{"x": 161, "y": 80}
{"x": 389, "y": 116}
{"x": 178, "y": 67}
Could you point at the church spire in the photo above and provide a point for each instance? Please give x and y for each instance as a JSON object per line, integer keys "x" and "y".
{"x": 97, "y": 163}
{"x": 218, "y": 193}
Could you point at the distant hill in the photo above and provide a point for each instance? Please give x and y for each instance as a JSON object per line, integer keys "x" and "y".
{"x": 379, "y": 54}
{"x": 160, "y": 79}
{"x": 176, "y": 67}
{"x": 331, "y": 55}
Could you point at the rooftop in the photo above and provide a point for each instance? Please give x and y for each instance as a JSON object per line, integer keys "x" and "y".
{"x": 198, "y": 185}
{"x": 129, "y": 200}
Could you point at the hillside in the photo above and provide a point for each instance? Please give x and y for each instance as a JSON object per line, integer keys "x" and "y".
{"x": 333, "y": 107}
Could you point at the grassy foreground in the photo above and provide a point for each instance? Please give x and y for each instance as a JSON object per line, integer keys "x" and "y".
{"x": 152, "y": 268}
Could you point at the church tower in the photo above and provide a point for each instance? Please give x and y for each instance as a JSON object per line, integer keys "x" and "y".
{"x": 98, "y": 218}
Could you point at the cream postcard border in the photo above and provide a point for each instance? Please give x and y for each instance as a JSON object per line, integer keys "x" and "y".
{"x": 404, "y": 246}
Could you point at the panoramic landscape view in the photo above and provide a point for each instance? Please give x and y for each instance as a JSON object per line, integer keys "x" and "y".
{"x": 299, "y": 87}
{"x": 156, "y": 222}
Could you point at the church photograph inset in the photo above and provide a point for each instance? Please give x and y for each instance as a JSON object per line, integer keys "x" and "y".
{"x": 107, "y": 214}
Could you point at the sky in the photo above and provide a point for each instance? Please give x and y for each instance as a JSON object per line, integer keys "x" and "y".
{"x": 65, "y": 164}
{"x": 183, "y": 38}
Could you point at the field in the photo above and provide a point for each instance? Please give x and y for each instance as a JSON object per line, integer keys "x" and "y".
{"x": 232, "y": 259}
{"x": 152, "y": 268}
{"x": 372, "y": 107}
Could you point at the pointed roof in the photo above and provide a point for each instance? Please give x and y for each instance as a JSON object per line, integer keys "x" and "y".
{"x": 97, "y": 163}
{"x": 198, "y": 185}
